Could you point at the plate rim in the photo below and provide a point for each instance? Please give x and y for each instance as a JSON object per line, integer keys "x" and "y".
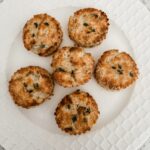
{"x": 131, "y": 7}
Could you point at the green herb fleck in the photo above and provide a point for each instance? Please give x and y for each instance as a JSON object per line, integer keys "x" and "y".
{"x": 33, "y": 35}
{"x": 74, "y": 118}
{"x": 120, "y": 71}
{"x": 113, "y": 67}
{"x": 25, "y": 84}
{"x": 88, "y": 111}
{"x": 119, "y": 66}
{"x": 60, "y": 69}
{"x": 30, "y": 91}
{"x": 95, "y": 15}
{"x": 36, "y": 85}
{"x": 42, "y": 46}
{"x": 78, "y": 91}
{"x": 131, "y": 74}
{"x": 91, "y": 30}
{"x": 85, "y": 24}
{"x": 36, "y": 24}
{"x": 68, "y": 106}
{"x": 46, "y": 23}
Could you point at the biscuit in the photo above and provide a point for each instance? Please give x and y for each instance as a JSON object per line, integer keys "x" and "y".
{"x": 72, "y": 66}
{"x": 42, "y": 35}
{"x": 116, "y": 70}
{"x": 31, "y": 86}
{"x": 88, "y": 27}
{"x": 76, "y": 113}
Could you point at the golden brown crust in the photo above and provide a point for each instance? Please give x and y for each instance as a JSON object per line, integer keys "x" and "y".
{"x": 76, "y": 113}
{"x": 116, "y": 70}
{"x": 42, "y": 35}
{"x": 72, "y": 66}
{"x": 31, "y": 86}
{"x": 88, "y": 27}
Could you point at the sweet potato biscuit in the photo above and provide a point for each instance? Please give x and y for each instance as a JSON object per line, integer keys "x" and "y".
{"x": 76, "y": 113}
{"x": 31, "y": 86}
{"x": 72, "y": 66}
{"x": 88, "y": 27}
{"x": 116, "y": 70}
{"x": 42, "y": 35}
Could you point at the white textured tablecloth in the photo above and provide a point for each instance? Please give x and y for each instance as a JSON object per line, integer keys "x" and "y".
{"x": 147, "y": 3}
{"x": 146, "y": 146}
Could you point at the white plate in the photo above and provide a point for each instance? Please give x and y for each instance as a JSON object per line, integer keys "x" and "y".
{"x": 124, "y": 121}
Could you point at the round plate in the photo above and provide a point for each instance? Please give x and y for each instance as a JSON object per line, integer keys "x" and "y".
{"x": 124, "y": 118}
